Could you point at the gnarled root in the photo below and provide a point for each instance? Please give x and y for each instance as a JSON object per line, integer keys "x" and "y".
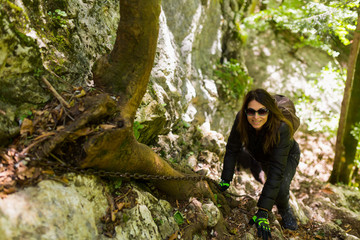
{"x": 100, "y": 106}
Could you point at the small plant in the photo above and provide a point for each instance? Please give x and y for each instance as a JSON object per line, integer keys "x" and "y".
{"x": 232, "y": 81}
{"x": 125, "y": 218}
{"x": 216, "y": 199}
{"x": 172, "y": 160}
{"x": 57, "y": 18}
{"x": 27, "y": 114}
{"x": 38, "y": 72}
{"x": 137, "y": 126}
{"x": 179, "y": 218}
{"x": 158, "y": 222}
{"x": 117, "y": 184}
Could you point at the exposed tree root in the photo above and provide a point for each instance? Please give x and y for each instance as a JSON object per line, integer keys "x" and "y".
{"x": 114, "y": 149}
{"x": 196, "y": 227}
{"x": 100, "y": 107}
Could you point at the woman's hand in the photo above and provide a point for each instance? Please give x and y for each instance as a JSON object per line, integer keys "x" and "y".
{"x": 262, "y": 224}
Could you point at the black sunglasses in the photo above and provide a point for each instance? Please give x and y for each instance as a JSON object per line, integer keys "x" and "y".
{"x": 252, "y": 112}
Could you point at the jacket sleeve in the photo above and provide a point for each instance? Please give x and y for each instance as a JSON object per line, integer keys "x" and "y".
{"x": 233, "y": 147}
{"x": 277, "y": 164}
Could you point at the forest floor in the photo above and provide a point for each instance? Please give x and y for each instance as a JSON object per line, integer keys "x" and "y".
{"x": 325, "y": 211}
{"x": 328, "y": 211}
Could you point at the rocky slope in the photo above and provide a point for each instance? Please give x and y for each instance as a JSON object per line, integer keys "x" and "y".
{"x": 181, "y": 117}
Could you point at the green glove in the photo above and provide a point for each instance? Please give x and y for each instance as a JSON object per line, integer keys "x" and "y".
{"x": 262, "y": 224}
{"x": 223, "y": 185}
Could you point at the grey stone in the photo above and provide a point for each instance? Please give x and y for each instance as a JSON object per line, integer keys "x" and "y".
{"x": 53, "y": 211}
{"x": 212, "y": 212}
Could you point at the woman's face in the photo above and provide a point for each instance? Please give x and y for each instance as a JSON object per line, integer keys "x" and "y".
{"x": 257, "y": 114}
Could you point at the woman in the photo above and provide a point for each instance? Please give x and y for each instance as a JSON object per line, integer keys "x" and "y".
{"x": 261, "y": 131}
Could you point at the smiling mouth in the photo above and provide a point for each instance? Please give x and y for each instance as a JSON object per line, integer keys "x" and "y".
{"x": 256, "y": 124}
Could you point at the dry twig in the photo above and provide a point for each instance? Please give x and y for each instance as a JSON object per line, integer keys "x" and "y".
{"x": 56, "y": 94}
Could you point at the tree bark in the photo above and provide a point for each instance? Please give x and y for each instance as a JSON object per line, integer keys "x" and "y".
{"x": 125, "y": 73}
{"x": 126, "y": 70}
{"x": 345, "y": 148}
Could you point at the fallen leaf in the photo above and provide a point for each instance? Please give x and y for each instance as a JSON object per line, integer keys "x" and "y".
{"x": 113, "y": 216}
{"x": 49, "y": 172}
{"x": 59, "y": 128}
{"x": 38, "y": 112}
{"x": 27, "y": 127}
{"x": 8, "y": 160}
{"x": 21, "y": 171}
{"x": 60, "y": 113}
{"x": 81, "y": 107}
{"x": 173, "y": 236}
{"x": 81, "y": 94}
{"x": 107, "y": 126}
{"x": 120, "y": 206}
{"x": 9, "y": 190}
{"x": 65, "y": 180}
{"x": 327, "y": 190}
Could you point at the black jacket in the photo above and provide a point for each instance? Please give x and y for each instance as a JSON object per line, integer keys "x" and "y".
{"x": 273, "y": 163}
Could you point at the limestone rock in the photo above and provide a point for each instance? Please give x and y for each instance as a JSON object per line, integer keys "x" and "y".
{"x": 52, "y": 211}
{"x": 212, "y": 212}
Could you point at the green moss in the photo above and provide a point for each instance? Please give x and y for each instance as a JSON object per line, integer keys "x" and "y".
{"x": 14, "y": 15}
{"x": 232, "y": 80}
{"x": 13, "y": 6}
{"x": 58, "y": 18}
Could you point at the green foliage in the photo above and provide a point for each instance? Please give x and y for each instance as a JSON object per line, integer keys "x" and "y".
{"x": 14, "y": 6}
{"x": 216, "y": 199}
{"x": 338, "y": 222}
{"x": 137, "y": 126}
{"x": 185, "y": 124}
{"x": 172, "y": 160}
{"x": 125, "y": 217}
{"x": 58, "y": 18}
{"x": 355, "y": 132}
{"x": 179, "y": 218}
{"x": 27, "y": 114}
{"x": 117, "y": 183}
{"x": 38, "y": 72}
{"x": 232, "y": 81}
{"x": 158, "y": 222}
{"x": 317, "y": 23}
{"x": 318, "y": 102}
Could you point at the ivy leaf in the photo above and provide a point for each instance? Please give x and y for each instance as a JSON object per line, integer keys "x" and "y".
{"x": 179, "y": 218}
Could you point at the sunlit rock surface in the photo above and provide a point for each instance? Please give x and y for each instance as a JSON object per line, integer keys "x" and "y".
{"x": 53, "y": 211}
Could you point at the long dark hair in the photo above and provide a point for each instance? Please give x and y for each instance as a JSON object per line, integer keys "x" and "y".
{"x": 275, "y": 117}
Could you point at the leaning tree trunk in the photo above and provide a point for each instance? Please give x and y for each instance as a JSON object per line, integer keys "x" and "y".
{"x": 345, "y": 148}
{"x": 125, "y": 73}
